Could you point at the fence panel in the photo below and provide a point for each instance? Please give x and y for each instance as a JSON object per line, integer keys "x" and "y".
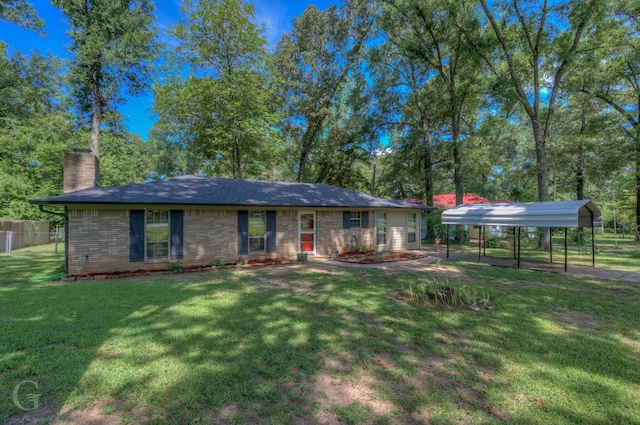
{"x": 12, "y": 241}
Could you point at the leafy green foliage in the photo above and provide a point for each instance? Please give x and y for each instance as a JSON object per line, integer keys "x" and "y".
{"x": 222, "y": 110}
{"x": 112, "y": 43}
{"x": 21, "y": 13}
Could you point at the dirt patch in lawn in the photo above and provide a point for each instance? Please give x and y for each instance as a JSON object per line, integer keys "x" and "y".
{"x": 583, "y": 320}
{"x": 44, "y": 414}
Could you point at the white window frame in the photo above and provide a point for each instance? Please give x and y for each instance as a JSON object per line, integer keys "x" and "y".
{"x": 355, "y": 216}
{"x": 157, "y": 224}
{"x": 415, "y": 228}
{"x": 263, "y": 215}
{"x": 378, "y": 233}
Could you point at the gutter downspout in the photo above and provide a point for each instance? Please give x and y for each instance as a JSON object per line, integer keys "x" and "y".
{"x": 66, "y": 234}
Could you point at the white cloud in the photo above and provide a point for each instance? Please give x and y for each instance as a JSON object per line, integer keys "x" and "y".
{"x": 275, "y": 17}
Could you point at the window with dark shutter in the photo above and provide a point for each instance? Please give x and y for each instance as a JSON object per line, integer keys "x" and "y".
{"x": 177, "y": 234}
{"x": 271, "y": 231}
{"x": 346, "y": 219}
{"x": 136, "y": 235}
{"x": 243, "y": 232}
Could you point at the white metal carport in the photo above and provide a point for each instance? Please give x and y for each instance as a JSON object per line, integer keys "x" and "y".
{"x": 563, "y": 214}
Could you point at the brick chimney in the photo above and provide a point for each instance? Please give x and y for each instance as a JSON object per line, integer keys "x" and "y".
{"x": 81, "y": 170}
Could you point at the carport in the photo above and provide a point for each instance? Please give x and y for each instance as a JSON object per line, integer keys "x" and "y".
{"x": 563, "y": 214}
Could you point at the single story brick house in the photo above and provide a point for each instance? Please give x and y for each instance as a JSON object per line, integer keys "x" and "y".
{"x": 198, "y": 219}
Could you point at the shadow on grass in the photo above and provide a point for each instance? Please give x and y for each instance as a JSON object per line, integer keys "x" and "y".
{"x": 314, "y": 347}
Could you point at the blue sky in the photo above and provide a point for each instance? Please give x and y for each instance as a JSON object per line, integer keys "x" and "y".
{"x": 276, "y": 16}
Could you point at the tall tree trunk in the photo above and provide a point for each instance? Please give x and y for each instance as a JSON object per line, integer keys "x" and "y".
{"x": 543, "y": 177}
{"x": 457, "y": 159}
{"x": 637, "y": 147}
{"x": 373, "y": 180}
{"x": 580, "y": 160}
{"x": 426, "y": 159}
{"x": 94, "y": 139}
{"x": 302, "y": 163}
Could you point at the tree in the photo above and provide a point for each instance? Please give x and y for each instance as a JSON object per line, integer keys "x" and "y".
{"x": 426, "y": 31}
{"x": 21, "y": 13}
{"x": 538, "y": 43}
{"x": 313, "y": 62}
{"x": 615, "y": 81}
{"x": 112, "y": 43}
{"x": 222, "y": 109}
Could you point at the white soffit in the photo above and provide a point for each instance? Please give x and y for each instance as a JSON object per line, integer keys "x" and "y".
{"x": 530, "y": 214}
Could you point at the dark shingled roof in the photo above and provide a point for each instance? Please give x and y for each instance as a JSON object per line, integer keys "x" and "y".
{"x": 192, "y": 190}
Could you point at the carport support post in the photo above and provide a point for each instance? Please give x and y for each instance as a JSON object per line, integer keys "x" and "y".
{"x": 518, "y": 247}
{"x": 484, "y": 241}
{"x": 479, "y": 242}
{"x": 565, "y": 249}
{"x": 514, "y": 243}
{"x": 550, "y": 245}
{"x": 593, "y": 245}
{"x": 447, "y": 238}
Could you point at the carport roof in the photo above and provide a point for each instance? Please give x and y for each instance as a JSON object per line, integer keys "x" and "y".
{"x": 531, "y": 214}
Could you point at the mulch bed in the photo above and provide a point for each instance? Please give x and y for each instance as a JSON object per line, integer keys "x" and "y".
{"x": 373, "y": 258}
{"x": 354, "y": 254}
{"x": 186, "y": 269}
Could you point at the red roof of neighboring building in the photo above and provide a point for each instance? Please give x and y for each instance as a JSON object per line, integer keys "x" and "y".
{"x": 448, "y": 200}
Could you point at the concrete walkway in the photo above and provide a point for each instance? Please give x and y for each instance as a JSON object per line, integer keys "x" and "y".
{"x": 627, "y": 276}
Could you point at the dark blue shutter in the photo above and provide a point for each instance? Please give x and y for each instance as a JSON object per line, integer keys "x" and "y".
{"x": 176, "y": 227}
{"x": 243, "y": 232}
{"x": 365, "y": 219}
{"x": 346, "y": 219}
{"x": 136, "y": 235}
{"x": 271, "y": 231}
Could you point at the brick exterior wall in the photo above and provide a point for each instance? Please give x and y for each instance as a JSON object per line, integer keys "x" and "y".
{"x": 99, "y": 239}
{"x": 81, "y": 171}
{"x": 330, "y": 234}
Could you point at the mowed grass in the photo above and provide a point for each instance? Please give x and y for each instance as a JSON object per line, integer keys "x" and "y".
{"x": 620, "y": 252}
{"x": 321, "y": 344}
{"x": 27, "y": 264}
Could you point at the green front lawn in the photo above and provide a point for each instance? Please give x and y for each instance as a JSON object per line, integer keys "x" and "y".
{"x": 324, "y": 345}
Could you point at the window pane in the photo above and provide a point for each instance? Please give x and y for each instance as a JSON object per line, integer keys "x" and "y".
{"x": 157, "y": 233}
{"x": 256, "y": 244}
{"x": 411, "y": 222}
{"x": 306, "y": 222}
{"x": 157, "y": 250}
{"x": 257, "y": 226}
{"x": 412, "y": 237}
{"x": 381, "y": 222}
{"x": 381, "y": 238}
{"x": 355, "y": 217}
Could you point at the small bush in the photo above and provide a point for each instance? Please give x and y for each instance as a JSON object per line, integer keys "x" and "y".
{"x": 493, "y": 241}
{"x": 215, "y": 263}
{"x": 175, "y": 266}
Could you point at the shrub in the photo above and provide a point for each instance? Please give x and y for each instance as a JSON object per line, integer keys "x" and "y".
{"x": 215, "y": 263}
{"x": 493, "y": 241}
{"x": 175, "y": 266}
{"x": 433, "y": 292}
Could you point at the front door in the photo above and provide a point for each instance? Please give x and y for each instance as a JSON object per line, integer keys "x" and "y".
{"x": 307, "y": 231}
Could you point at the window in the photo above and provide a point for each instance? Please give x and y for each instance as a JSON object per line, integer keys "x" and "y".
{"x": 381, "y": 228}
{"x": 157, "y": 234}
{"x": 257, "y": 231}
{"x": 356, "y": 219}
{"x": 411, "y": 227}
